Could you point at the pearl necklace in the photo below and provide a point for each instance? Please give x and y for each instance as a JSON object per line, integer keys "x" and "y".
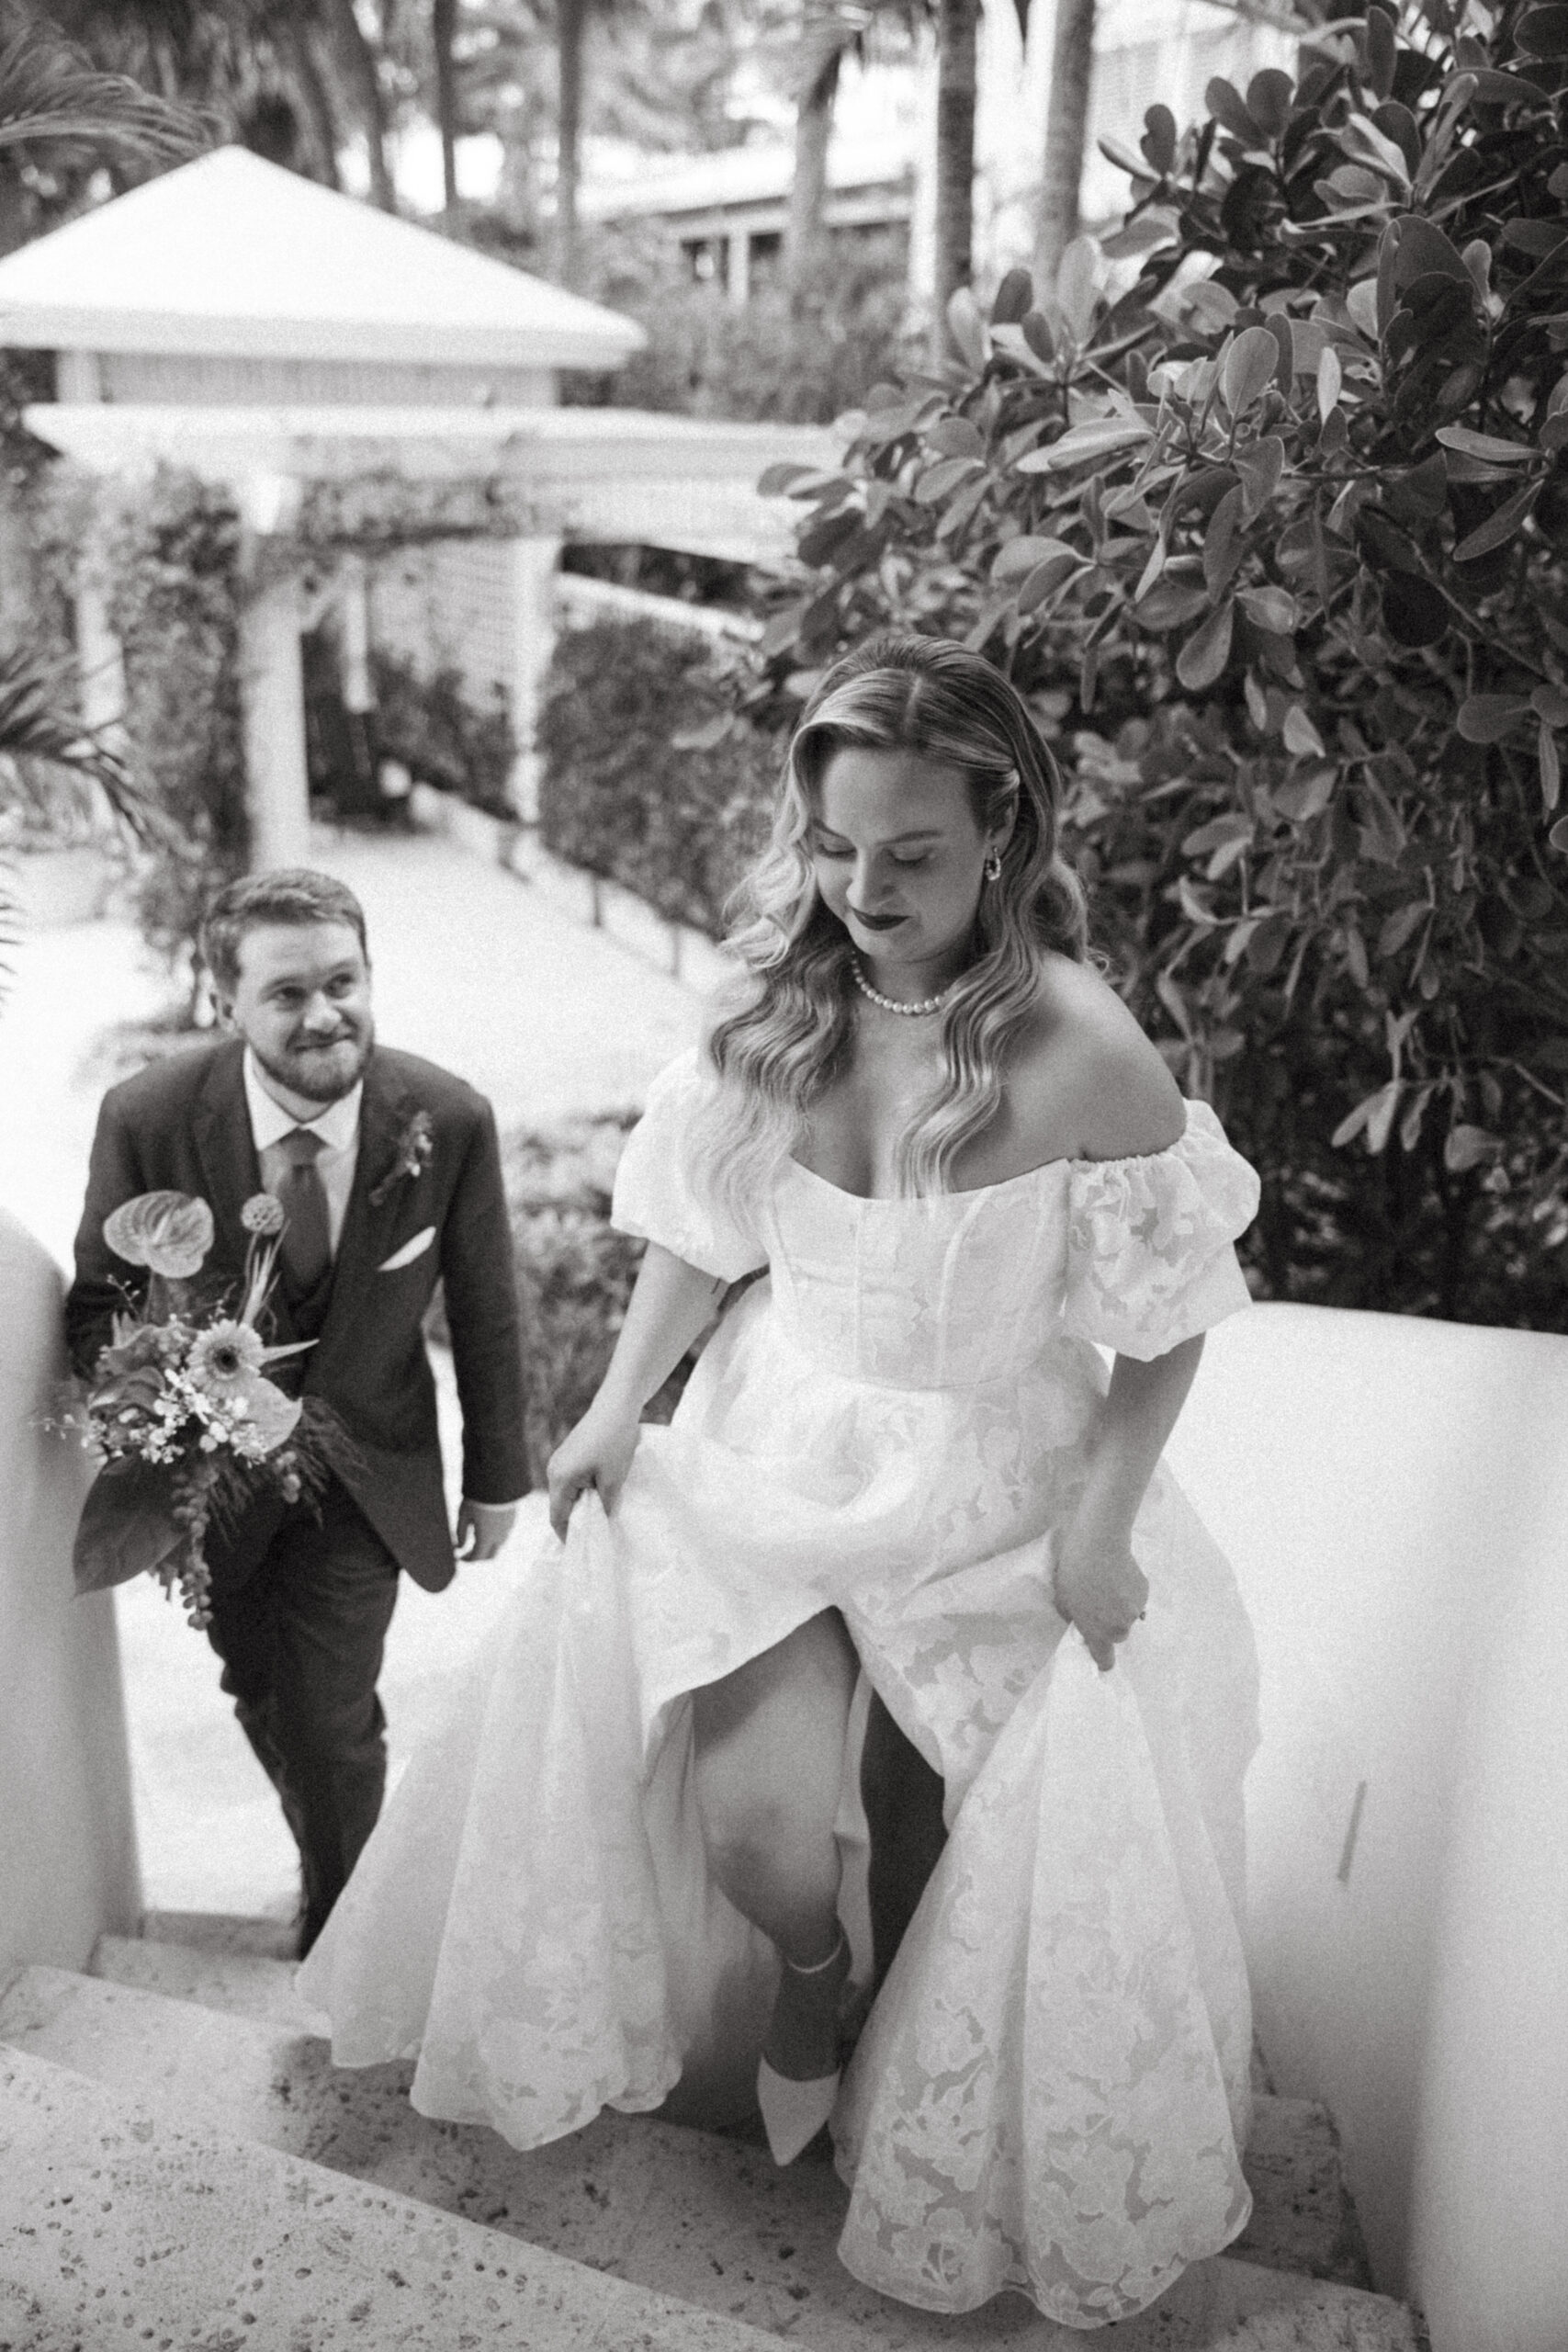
{"x": 911, "y": 1008}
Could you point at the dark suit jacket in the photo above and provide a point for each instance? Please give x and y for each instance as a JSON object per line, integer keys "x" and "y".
{"x": 183, "y": 1125}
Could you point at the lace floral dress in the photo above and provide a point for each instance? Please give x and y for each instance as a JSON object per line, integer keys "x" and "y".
{"x": 1051, "y": 2091}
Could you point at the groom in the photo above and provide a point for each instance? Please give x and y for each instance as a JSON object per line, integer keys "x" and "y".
{"x": 389, "y": 1174}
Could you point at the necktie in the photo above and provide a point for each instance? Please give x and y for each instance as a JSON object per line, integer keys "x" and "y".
{"x": 306, "y": 1237}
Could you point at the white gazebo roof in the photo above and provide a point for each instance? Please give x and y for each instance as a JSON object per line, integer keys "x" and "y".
{"x": 233, "y": 256}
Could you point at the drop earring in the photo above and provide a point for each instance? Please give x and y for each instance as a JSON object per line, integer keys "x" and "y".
{"x": 992, "y": 869}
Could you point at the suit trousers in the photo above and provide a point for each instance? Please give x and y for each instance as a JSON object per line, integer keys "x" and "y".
{"x": 301, "y": 1642}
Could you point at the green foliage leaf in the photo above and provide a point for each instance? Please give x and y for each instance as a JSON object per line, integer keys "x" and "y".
{"x": 1543, "y": 32}
{"x": 1416, "y": 612}
{"x": 1082, "y": 444}
{"x": 1247, "y": 369}
{"x": 1014, "y": 295}
{"x": 1466, "y": 1146}
{"x": 1171, "y": 603}
{"x": 1203, "y": 658}
{"x": 1489, "y": 447}
{"x": 1223, "y": 101}
{"x": 1498, "y": 528}
{"x": 1077, "y": 284}
{"x": 1271, "y": 608}
{"x": 1487, "y": 718}
{"x": 1159, "y": 141}
{"x": 967, "y": 327}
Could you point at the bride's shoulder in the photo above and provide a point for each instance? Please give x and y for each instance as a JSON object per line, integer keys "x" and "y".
{"x": 1088, "y": 1067}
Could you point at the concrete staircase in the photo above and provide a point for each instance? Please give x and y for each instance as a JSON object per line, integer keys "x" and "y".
{"x": 182, "y": 2167}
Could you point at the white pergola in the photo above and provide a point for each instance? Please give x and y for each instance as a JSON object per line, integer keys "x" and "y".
{"x": 291, "y": 344}
{"x": 597, "y": 473}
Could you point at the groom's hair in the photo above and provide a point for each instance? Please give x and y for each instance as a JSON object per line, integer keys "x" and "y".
{"x": 289, "y": 894}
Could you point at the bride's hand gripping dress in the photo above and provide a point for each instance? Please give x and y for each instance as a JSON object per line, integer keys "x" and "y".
{"x": 1051, "y": 2092}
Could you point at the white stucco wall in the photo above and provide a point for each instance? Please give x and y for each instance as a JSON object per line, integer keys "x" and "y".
{"x": 1393, "y": 1494}
{"x": 67, "y": 1841}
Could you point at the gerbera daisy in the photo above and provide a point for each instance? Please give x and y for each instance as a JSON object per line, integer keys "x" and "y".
{"x": 226, "y": 1357}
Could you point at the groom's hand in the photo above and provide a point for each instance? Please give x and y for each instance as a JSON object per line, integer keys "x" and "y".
{"x": 483, "y": 1528}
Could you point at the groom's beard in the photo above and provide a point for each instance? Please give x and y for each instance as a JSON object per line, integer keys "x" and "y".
{"x": 321, "y": 1071}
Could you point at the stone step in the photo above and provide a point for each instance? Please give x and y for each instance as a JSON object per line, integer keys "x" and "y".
{"x": 684, "y": 2213}
{"x": 1303, "y": 2217}
{"x": 121, "y": 2228}
{"x": 244, "y": 1983}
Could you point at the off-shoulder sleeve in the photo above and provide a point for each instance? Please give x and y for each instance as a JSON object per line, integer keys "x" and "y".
{"x": 662, "y": 1193}
{"x": 1150, "y": 1261}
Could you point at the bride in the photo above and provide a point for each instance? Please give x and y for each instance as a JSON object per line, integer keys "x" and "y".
{"x": 963, "y": 1171}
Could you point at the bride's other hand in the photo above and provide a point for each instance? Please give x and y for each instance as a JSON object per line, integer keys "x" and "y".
{"x": 597, "y": 1452}
{"x": 1098, "y": 1586}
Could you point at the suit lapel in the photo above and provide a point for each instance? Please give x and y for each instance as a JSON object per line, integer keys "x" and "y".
{"x": 226, "y": 1151}
{"x": 385, "y": 1109}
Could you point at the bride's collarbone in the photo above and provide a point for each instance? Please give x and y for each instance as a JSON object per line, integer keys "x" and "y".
{"x": 853, "y": 1135}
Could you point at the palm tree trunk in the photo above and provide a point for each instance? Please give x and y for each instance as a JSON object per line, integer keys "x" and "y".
{"x": 805, "y": 231}
{"x": 294, "y": 37}
{"x": 956, "y": 21}
{"x": 359, "y": 69}
{"x": 1067, "y": 130}
{"x": 442, "y": 32}
{"x": 572, "y": 25}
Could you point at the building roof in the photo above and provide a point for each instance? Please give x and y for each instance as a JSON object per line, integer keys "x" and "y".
{"x": 232, "y": 254}
{"x": 743, "y": 175}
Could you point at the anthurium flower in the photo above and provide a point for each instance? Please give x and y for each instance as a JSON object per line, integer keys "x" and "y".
{"x": 169, "y": 1233}
{"x": 273, "y": 1418}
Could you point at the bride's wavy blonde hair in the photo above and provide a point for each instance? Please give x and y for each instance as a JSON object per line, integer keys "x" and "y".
{"x": 776, "y": 1053}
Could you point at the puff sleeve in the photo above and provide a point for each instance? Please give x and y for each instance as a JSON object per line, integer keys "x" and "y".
{"x": 662, "y": 1189}
{"x": 1150, "y": 1255}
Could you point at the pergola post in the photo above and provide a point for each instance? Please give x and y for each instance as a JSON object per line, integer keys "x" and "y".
{"x": 737, "y": 267}
{"x": 272, "y": 686}
{"x": 532, "y": 562}
{"x": 100, "y": 660}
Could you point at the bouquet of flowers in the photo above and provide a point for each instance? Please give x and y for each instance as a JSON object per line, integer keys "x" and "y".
{"x": 178, "y": 1408}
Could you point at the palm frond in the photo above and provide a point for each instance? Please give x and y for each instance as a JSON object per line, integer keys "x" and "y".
{"x": 52, "y": 93}
{"x": 37, "y": 725}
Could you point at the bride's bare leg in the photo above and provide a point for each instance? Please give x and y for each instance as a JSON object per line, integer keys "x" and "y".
{"x": 769, "y": 1753}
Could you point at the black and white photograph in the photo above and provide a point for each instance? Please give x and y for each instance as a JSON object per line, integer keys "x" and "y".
{"x": 783, "y": 1175}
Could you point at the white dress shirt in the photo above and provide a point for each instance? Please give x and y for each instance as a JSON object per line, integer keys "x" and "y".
{"x": 337, "y": 1123}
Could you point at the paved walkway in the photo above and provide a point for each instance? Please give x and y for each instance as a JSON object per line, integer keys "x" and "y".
{"x": 474, "y": 969}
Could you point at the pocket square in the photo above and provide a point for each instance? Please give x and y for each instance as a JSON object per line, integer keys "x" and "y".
{"x": 408, "y": 1252}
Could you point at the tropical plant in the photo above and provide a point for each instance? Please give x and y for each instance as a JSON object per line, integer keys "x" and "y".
{"x": 798, "y": 355}
{"x": 55, "y": 105}
{"x": 1266, "y": 508}
{"x": 644, "y": 782}
{"x": 252, "y": 70}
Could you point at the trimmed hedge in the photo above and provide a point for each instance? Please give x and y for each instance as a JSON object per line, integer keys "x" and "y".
{"x": 574, "y": 1274}
{"x": 628, "y": 789}
{"x": 443, "y": 735}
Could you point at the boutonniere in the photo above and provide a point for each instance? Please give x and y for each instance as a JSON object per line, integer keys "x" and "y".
{"x": 414, "y": 1146}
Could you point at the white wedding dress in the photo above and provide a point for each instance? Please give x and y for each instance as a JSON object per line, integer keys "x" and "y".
{"x": 1051, "y": 2092}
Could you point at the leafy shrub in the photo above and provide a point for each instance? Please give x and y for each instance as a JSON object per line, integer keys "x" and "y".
{"x": 798, "y": 358}
{"x": 441, "y": 733}
{"x": 1265, "y": 507}
{"x": 175, "y": 606}
{"x": 574, "y": 1274}
{"x": 626, "y": 791}
{"x": 170, "y": 551}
